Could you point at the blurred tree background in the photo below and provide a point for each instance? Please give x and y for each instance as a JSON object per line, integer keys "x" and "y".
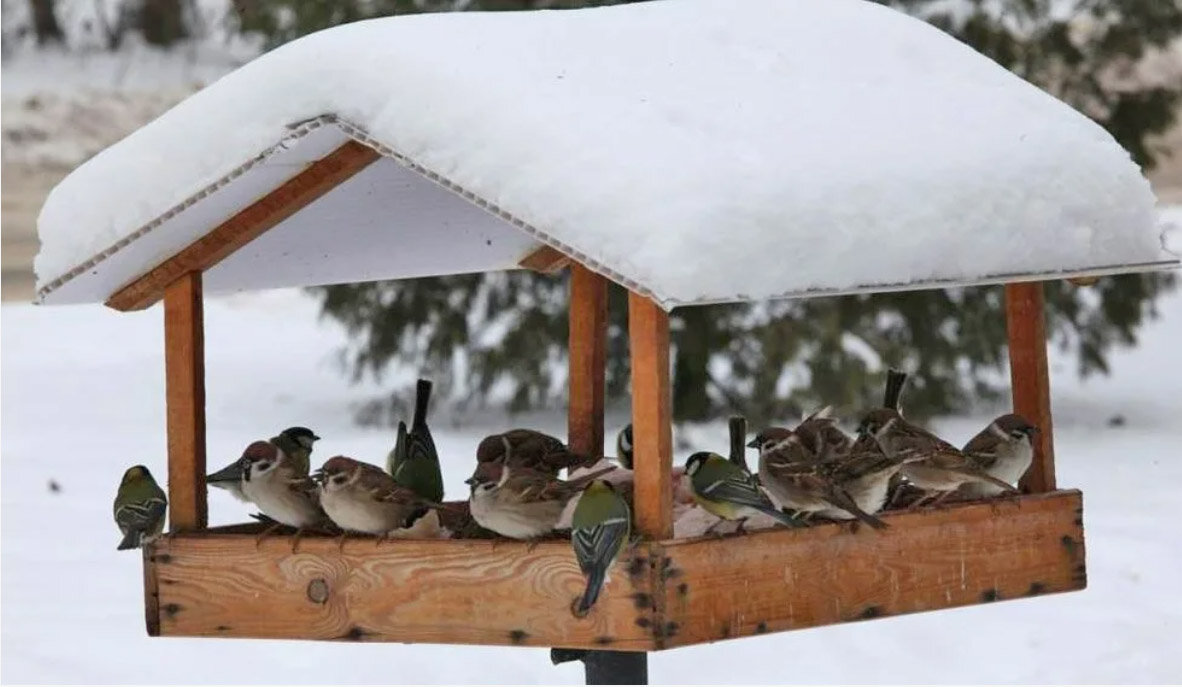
{"x": 502, "y": 337}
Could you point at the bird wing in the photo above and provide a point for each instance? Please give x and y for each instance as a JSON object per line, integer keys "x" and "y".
{"x": 140, "y": 515}
{"x": 599, "y": 544}
{"x": 739, "y": 489}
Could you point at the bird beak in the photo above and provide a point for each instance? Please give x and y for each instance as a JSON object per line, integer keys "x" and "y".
{"x": 231, "y": 473}
{"x": 315, "y": 438}
{"x": 471, "y": 481}
{"x": 318, "y": 476}
{"x": 754, "y": 443}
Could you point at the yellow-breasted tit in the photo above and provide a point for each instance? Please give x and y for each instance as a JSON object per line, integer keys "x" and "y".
{"x": 530, "y": 449}
{"x": 1004, "y": 449}
{"x": 418, "y": 466}
{"x": 295, "y": 442}
{"x": 273, "y": 481}
{"x": 140, "y": 507}
{"x": 600, "y": 529}
{"x": 518, "y": 502}
{"x": 728, "y": 491}
{"x": 359, "y": 497}
{"x": 931, "y": 464}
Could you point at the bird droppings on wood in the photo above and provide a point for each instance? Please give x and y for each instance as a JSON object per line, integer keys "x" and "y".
{"x": 637, "y": 565}
{"x": 1036, "y": 588}
{"x": 223, "y": 628}
{"x": 870, "y": 612}
{"x": 683, "y": 589}
{"x": 990, "y": 595}
{"x": 162, "y": 558}
{"x": 643, "y": 601}
{"x": 318, "y": 591}
{"x": 355, "y": 634}
{"x": 518, "y": 636}
{"x": 726, "y": 630}
{"x": 643, "y": 621}
{"x": 604, "y": 640}
{"x": 761, "y": 628}
{"x": 1069, "y": 544}
{"x": 1080, "y": 574}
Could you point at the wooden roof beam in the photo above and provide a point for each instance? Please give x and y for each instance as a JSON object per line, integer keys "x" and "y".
{"x": 313, "y": 182}
{"x": 544, "y": 259}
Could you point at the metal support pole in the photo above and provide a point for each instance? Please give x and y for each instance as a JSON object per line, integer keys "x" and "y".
{"x": 616, "y": 667}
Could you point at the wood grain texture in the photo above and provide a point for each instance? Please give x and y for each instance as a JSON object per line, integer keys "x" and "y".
{"x": 184, "y": 384}
{"x": 317, "y": 179}
{"x": 588, "y": 357}
{"x": 151, "y": 593}
{"x": 455, "y": 592}
{"x": 544, "y": 259}
{"x": 652, "y": 417}
{"x": 958, "y": 555}
{"x": 1030, "y": 378}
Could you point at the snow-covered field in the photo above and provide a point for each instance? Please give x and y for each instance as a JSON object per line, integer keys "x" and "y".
{"x": 83, "y": 399}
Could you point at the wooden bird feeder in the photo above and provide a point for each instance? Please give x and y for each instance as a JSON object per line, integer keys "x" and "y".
{"x": 237, "y": 195}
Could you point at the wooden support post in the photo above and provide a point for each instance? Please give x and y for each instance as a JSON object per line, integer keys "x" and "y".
{"x": 588, "y": 356}
{"x": 652, "y": 431}
{"x": 184, "y": 383}
{"x": 1029, "y": 377}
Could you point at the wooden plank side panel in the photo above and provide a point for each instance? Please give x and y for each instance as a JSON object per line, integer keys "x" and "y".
{"x": 317, "y": 179}
{"x": 955, "y": 556}
{"x": 652, "y": 417}
{"x": 588, "y": 357}
{"x": 184, "y": 384}
{"x": 1030, "y": 377}
{"x": 454, "y": 592}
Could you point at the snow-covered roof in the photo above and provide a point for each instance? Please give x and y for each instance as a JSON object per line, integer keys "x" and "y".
{"x": 693, "y": 150}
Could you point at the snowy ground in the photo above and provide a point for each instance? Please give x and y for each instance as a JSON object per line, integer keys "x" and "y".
{"x": 83, "y": 399}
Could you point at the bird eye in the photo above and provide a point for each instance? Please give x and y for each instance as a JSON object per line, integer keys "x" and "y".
{"x": 1017, "y": 434}
{"x": 338, "y": 480}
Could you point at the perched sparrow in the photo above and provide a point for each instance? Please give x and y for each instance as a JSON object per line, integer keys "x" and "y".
{"x": 932, "y": 464}
{"x": 518, "y": 502}
{"x": 624, "y": 446}
{"x": 139, "y": 508}
{"x": 295, "y": 442}
{"x": 728, "y": 491}
{"x": 1004, "y": 449}
{"x": 419, "y": 469}
{"x": 359, "y": 497}
{"x": 272, "y": 481}
{"x": 526, "y": 448}
{"x": 600, "y": 528}
{"x": 813, "y": 483}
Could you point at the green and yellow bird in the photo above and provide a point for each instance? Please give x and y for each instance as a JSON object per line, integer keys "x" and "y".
{"x": 416, "y": 465}
{"x": 140, "y": 506}
{"x": 729, "y": 492}
{"x": 600, "y": 528}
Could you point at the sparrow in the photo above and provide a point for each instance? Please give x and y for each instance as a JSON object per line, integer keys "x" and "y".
{"x": 140, "y": 507}
{"x": 814, "y": 483}
{"x": 273, "y": 481}
{"x": 519, "y": 502}
{"x": 527, "y": 448}
{"x": 1004, "y": 449}
{"x": 295, "y": 442}
{"x": 359, "y": 497}
{"x": 728, "y": 491}
{"x": 624, "y": 446}
{"x": 932, "y": 464}
{"x": 419, "y": 469}
{"x": 600, "y": 528}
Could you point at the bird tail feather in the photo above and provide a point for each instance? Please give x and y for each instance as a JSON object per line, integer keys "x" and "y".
{"x": 894, "y": 388}
{"x": 131, "y": 540}
{"x": 422, "y": 398}
{"x": 594, "y": 584}
{"x": 781, "y": 517}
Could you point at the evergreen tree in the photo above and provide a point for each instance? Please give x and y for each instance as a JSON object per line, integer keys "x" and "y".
{"x": 772, "y": 360}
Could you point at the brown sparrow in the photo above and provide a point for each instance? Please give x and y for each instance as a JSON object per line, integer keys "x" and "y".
{"x": 931, "y": 464}
{"x": 274, "y": 482}
{"x": 363, "y": 498}
{"x": 815, "y": 483}
{"x": 519, "y": 502}
{"x": 527, "y": 448}
{"x": 1004, "y": 449}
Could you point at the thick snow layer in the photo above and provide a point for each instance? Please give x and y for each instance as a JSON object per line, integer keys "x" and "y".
{"x": 79, "y": 414}
{"x": 772, "y": 148}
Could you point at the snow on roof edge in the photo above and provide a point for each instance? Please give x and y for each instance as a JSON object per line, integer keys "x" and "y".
{"x": 359, "y": 134}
